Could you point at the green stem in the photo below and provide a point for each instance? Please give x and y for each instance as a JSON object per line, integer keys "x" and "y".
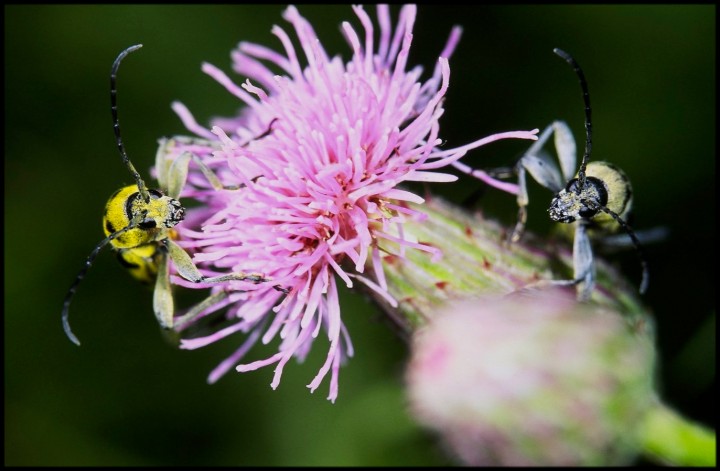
{"x": 671, "y": 439}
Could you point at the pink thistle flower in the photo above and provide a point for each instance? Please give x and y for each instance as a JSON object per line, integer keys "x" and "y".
{"x": 315, "y": 161}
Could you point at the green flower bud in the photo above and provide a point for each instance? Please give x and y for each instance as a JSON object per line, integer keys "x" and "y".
{"x": 478, "y": 261}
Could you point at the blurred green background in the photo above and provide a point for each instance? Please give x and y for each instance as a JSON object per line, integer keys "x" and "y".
{"x": 127, "y": 398}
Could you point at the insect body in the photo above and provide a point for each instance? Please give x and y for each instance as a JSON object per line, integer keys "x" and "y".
{"x": 138, "y": 223}
{"x": 137, "y": 249}
{"x": 597, "y": 198}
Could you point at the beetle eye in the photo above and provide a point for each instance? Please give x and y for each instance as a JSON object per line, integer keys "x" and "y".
{"x": 148, "y": 224}
{"x": 587, "y": 213}
{"x": 572, "y": 186}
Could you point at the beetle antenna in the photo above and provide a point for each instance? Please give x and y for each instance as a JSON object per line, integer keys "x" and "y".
{"x": 588, "y": 112}
{"x": 88, "y": 262}
{"x": 636, "y": 243}
{"x": 116, "y": 122}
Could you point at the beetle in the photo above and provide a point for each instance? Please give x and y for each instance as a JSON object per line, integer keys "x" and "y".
{"x": 596, "y": 198}
{"x": 138, "y": 223}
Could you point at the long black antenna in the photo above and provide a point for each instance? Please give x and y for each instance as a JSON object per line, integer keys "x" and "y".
{"x": 588, "y": 112}
{"x": 116, "y": 123}
{"x": 88, "y": 262}
{"x": 636, "y": 243}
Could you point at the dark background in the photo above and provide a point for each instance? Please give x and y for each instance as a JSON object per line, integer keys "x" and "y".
{"x": 126, "y": 398}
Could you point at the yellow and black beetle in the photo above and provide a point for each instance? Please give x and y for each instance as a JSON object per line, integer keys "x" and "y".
{"x": 597, "y": 198}
{"x": 138, "y": 223}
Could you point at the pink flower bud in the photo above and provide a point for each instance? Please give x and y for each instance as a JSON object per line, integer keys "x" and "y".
{"x": 532, "y": 379}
